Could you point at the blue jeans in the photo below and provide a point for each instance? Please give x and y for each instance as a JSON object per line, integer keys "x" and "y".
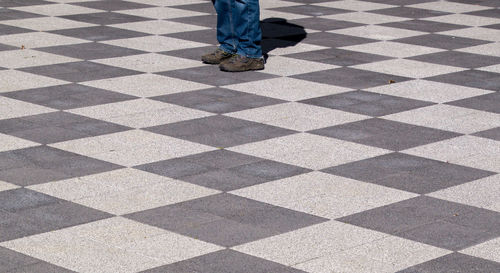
{"x": 238, "y": 27}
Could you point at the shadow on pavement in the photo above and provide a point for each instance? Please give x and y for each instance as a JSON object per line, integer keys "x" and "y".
{"x": 279, "y": 33}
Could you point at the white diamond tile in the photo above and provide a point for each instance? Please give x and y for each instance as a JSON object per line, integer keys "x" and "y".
{"x": 378, "y": 32}
{"x": 46, "y": 23}
{"x": 409, "y": 68}
{"x": 151, "y": 62}
{"x": 480, "y": 33}
{"x": 123, "y": 191}
{"x": 132, "y": 148}
{"x": 482, "y": 193}
{"x": 465, "y": 19}
{"x": 146, "y": 85}
{"x": 387, "y": 255}
{"x": 28, "y": 58}
{"x": 11, "y": 108}
{"x": 57, "y": 9}
{"x": 309, "y": 151}
{"x": 284, "y": 66}
{"x": 429, "y": 91}
{"x": 161, "y": 12}
{"x": 159, "y": 27}
{"x": 365, "y": 18}
{"x": 154, "y": 43}
{"x": 110, "y": 246}
{"x": 392, "y": 49}
{"x": 449, "y": 118}
{"x": 324, "y": 194}
{"x": 39, "y": 39}
{"x": 14, "y": 143}
{"x": 288, "y": 89}
{"x": 140, "y": 113}
{"x": 488, "y": 250}
{"x": 475, "y": 152}
{"x": 311, "y": 242}
{"x": 354, "y": 5}
{"x": 13, "y": 80}
{"x": 297, "y": 116}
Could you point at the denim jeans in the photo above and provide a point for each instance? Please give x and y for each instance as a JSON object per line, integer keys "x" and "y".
{"x": 238, "y": 27}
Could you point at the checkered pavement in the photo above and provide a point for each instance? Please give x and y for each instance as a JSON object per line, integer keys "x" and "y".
{"x": 370, "y": 143}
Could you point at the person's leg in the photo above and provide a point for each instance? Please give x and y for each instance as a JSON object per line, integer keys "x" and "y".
{"x": 246, "y": 14}
{"x": 246, "y": 20}
{"x": 225, "y": 25}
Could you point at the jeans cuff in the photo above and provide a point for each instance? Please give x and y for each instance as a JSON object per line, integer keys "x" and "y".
{"x": 225, "y": 49}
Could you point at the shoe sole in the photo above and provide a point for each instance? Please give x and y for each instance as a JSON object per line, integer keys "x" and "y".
{"x": 250, "y": 69}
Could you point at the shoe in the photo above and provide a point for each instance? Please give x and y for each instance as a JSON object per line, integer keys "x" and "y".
{"x": 239, "y": 63}
{"x": 216, "y": 57}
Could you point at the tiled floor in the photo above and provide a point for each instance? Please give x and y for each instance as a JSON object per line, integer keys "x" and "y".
{"x": 370, "y": 144}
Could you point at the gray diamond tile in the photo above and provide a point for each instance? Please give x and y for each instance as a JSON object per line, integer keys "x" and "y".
{"x": 7, "y": 30}
{"x": 409, "y": 12}
{"x": 224, "y": 261}
{"x": 80, "y": 71}
{"x": 495, "y": 13}
{"x": 367, "y": 103}
{"x": 241, "y": 220}
{"x": 207, "y": 36}
{"x": 15, "y": 262}
{"x": 459, "y": 59}
{"x": 243, "y": 172}
{"x": 350, "y": 78}
{"x": 206, "y": 7}
{"x": 410, "y": 214}
{"x": 441, "y": 41}
{"x": 409, "y": 173}
{"x": 10, "y": 14}
{"x": 446, "y": 235}
{"x": 100, "y": 33}
{"x": 385, "y": 134}
{"x": 218, "y": 100}
{"x": 6, "y": 47}
{"x": 491, "y": 133}
{"x": 43, "y": 164}
{"x": 424, "y": 25}
{"x": 489, "y": 102}
{"x": 190, "y": 53}
{"x": 223, "y": 170}
{"x": 20, "y": 3}
{"x": 323, "y": 24}
{"x": 334, "y": 40}
{"x": 495, "y": 26}
{"x": 427, "y": 220}
{"x": 457, "y": 263}
{"x": 203, "y": 20}
{"x": 487, "y": 3}
{"x": 220, "y": 131}
{"x": 106, "y": 18}
{"x": 209, "y": 75}
{"x": 68, "y": 96}
{"x": 471, "y": 78}
{"x": 311, "y": 10}
{"x": 36, "y": 213}
{"x": 111, "y": 5}
{"x": 57, "y": 127}
{"x": 339, "y": 57}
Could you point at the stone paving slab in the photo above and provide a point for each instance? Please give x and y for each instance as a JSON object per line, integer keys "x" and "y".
{"x": 369, "y": 144}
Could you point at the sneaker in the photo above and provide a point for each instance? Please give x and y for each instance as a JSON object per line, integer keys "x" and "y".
{"x": 239, "y": 63}
{"x": 216, "y": 57}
